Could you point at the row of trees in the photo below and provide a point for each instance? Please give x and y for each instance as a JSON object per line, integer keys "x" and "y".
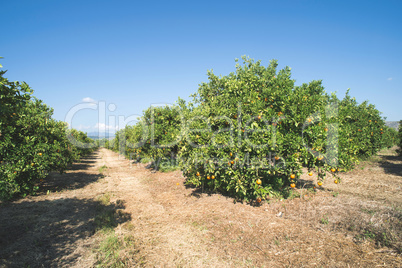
{"x": 250, "y": 133}
{"x": 32, "y": 143}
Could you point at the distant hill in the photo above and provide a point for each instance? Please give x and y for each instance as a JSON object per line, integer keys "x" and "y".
{"x": 99, "y": 136}
{"x": 393, "y": 124}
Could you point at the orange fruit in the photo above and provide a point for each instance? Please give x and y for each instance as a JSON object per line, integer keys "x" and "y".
{"x": 230, "y": 154}
{"x": 333, "y": 170}
{"x": 336, "y": 181}
{"x": 259, "y": 117}
{"x": 277, "y": 157}
{"x": 198, "y": 173}
{"x": 280, "y": 113}
{"x": 326, "y": 129}
{"x": 212, "y": 177}
{"x": 39, "y": 154}
{"x": 232, "y": 162}
{"x": 292, "y": 185}
{"x": 208, "y": 177}
{"x": 177, "y": 183}
{"x": 259, "y": 200}
{"x": 292, "y": 176}
{"x": 266, "y": 99}
{"x": 310, "y": 173}
{"x": 319, "y": 183}
{"x": 309, "y": 120}
{"x": 258, "y": 181}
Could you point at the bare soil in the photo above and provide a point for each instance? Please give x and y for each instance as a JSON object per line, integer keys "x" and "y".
{"x": 357, "y": 223}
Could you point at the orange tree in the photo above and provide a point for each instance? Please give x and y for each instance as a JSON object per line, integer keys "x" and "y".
{"x": 362, "y": 131}
{"x": 154, "y": 137}
{"x": 399, "y": 138}
{"x": 250, "y": 133}
{"x": 31, "y": 142}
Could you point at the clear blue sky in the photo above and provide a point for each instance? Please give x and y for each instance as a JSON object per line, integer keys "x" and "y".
{"x": 134, "y": 54}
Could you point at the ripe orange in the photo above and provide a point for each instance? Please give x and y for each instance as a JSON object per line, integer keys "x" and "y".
{"x": 266, "y": 99}
{"x": 212, "y": 177}
{"x": 198, "y": 173}
{"x": 258, "y": 181}
{"x": 232, "y": 162}
{"x": 292, "y": 185}
{"x": 310, "y": 173}
{"x": 32, "y": 164}
{"x": 382, "y": 132}
{"x": 333, "y": 170}
{"x": 319, "y": 183}
{"x": 230, "y": 154}
{"x": 292, "y": 176}
{"x": 259, "y": 200}
{"x": 259, "y": 117}
{"x": 336, "y": 181}
{"x": 40, "y": 154}
{"x": 326, "y": 129}
{"x": 309, "y": 120}
{"x": 280, "y": 113}
{"x": 277, "y": 157}
{"x": 208, "y": 177}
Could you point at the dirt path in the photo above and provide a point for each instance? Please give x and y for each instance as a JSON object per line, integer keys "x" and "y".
{"x": 169, "y": 224}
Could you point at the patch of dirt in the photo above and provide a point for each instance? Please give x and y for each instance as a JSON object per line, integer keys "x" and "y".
{"x": 338, "y": 225}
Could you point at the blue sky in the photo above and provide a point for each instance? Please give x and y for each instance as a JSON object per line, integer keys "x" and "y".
{"x": 134, "y": 54}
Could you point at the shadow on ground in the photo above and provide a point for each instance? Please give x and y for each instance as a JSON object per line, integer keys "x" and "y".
{"x": 74, "y": 179}
{"x": 46, "y": 233}
{"x": 391, "y": 164}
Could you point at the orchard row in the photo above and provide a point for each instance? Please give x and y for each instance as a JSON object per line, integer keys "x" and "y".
{"x": 228, "y": 120}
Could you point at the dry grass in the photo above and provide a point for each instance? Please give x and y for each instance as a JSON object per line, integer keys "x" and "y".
{"x": 158, "y": 221}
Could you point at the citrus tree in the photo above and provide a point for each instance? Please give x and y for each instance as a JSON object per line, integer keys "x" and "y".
{"x": 155, "y": 137}
{"x": 399, "y": 138}
{"x": 32, "y": 143}
{"x": 251, "y": 132}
